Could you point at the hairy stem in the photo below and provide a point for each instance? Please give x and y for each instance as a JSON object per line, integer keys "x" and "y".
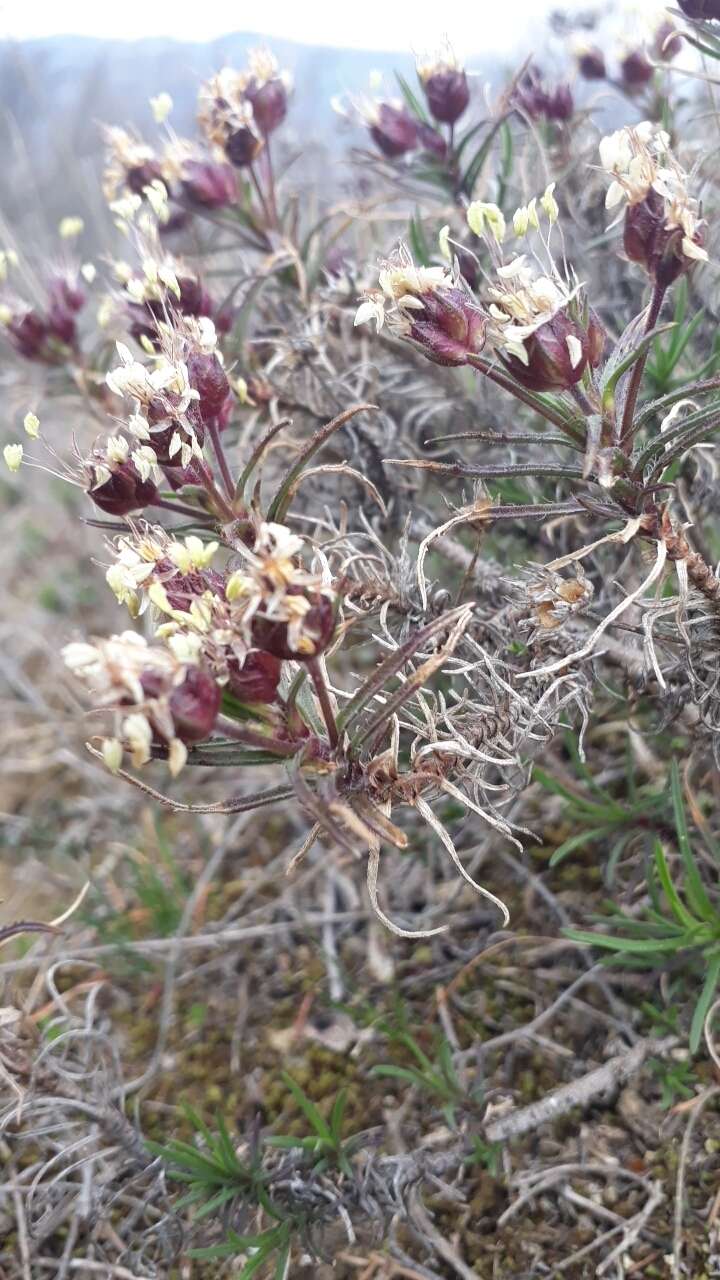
{"x": 250, "y": 738}
{"x": 321, "y": 690}
{"x": 519, "y": 392}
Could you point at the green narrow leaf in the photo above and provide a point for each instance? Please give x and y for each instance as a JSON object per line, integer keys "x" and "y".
{"x": 678, "y": 908}
{"x": 696, "y": 893}
{"x": 337, "y": 1115}
{"x": 707, "y": 996}
{"x": 308, "y": 1109}
{"x": 278, "y": 507}
{"x": 412, "y": 101}
{"x": 575, "y": 842}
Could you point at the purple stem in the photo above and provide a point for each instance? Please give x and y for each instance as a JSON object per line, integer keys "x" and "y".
{"x": 214, "y": 430}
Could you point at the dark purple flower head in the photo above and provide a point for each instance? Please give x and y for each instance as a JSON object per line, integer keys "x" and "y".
{"x": 210, "y": 185}
{"x": 209, "y": 379}
{"x": 709, "y": 10}
{"x": 445, "y": 85}
{"x": 429, "y": 307}
{"x": 543, "y": 102}
{"x": 591, "y": 63}
{"x": 119, "y": 489}
{"x": 269, "y": 101}
{"x": 242, "y": 146}
{"x": 256, "y": 679}
{"x": 636, "y": 70}
{"x": 557, "y": 354}
{"x": 186, "y": 709}
{"x": 393, "y": 130}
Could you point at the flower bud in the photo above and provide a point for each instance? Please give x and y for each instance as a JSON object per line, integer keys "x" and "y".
{"x": 123, "y": 491}
{"x": 177, "y": 219}
{"x": 227, "y": 408}
{"x": 317, "y": 616}
{"x": 534, "y": 98}
{"x": 242, "y": 146}
{"x": 209, "y": 379}
{"x": 61, "y": 323}
{"x": 179, "y": 477}
{"x": 661, "y": 250}
{"x": 431, "y": 141}
{"x": 707, "y": 10}
{"x": 141, "y": 176}
{"x": 557, "y": 354}
{"x": 212, "y": 186}
{"x": 194, "y": 705}
{"x": 257, "y": 679}
{"x": 636, "y": 71}
{"x": 269, "y": 103}
{"x": 393, "y": 130}
{"x": 447, "y": 93}
{"x": 591, "y": 63}
{"x": 449, "y": 328}
{"x": 29, "y": 333}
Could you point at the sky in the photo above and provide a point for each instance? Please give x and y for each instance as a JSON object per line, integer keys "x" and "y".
{"x": 480, "y": 26}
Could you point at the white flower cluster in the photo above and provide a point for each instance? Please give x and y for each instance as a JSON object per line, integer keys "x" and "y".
{"x": 639, "y": 161}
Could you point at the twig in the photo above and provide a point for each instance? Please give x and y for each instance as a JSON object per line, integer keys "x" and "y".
{"x": 703, "y": 1099}
{"x": 579, "y": 1093}
{"x": 419, "y": 1214}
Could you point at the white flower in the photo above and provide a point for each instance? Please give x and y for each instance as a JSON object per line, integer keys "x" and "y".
{"x": 88, "y": 271}
{"x": 575, "y": 350}
{"x": 117, "y": 449}
{"x": 639, "y": 161}
{"x": 161, "y": 106}
{"x": 112, "y": 753}
{"x": 31, "y": 424}
{"x": 145, "y": 460}
{"x": 549, "y": 204}
{"x": 177, "y": 756}
{"x": 139, "y": 735}
{"x": 193, "y": 554}
{"x": 13, "y": 455}
{"x": 480, "y": 213}
{"x": 156, "y": 194}
{"x": 70, "y": 227}
{"x": 372, "y": 308}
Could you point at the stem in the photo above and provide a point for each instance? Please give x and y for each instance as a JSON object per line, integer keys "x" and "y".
{"x": 260, "y": 195}
{"x": 581, "y": 399}
{"x": 214, "y": 493}
{"x": 180, "y": 509}
{"x": 639, "y": 368}
{"x": 520, "y": 394}
{"x": 263, "y": 741}
{"x": 321, "y": 690}
{"x": 214, "y": 430}
{"x": 271, "y": 183}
